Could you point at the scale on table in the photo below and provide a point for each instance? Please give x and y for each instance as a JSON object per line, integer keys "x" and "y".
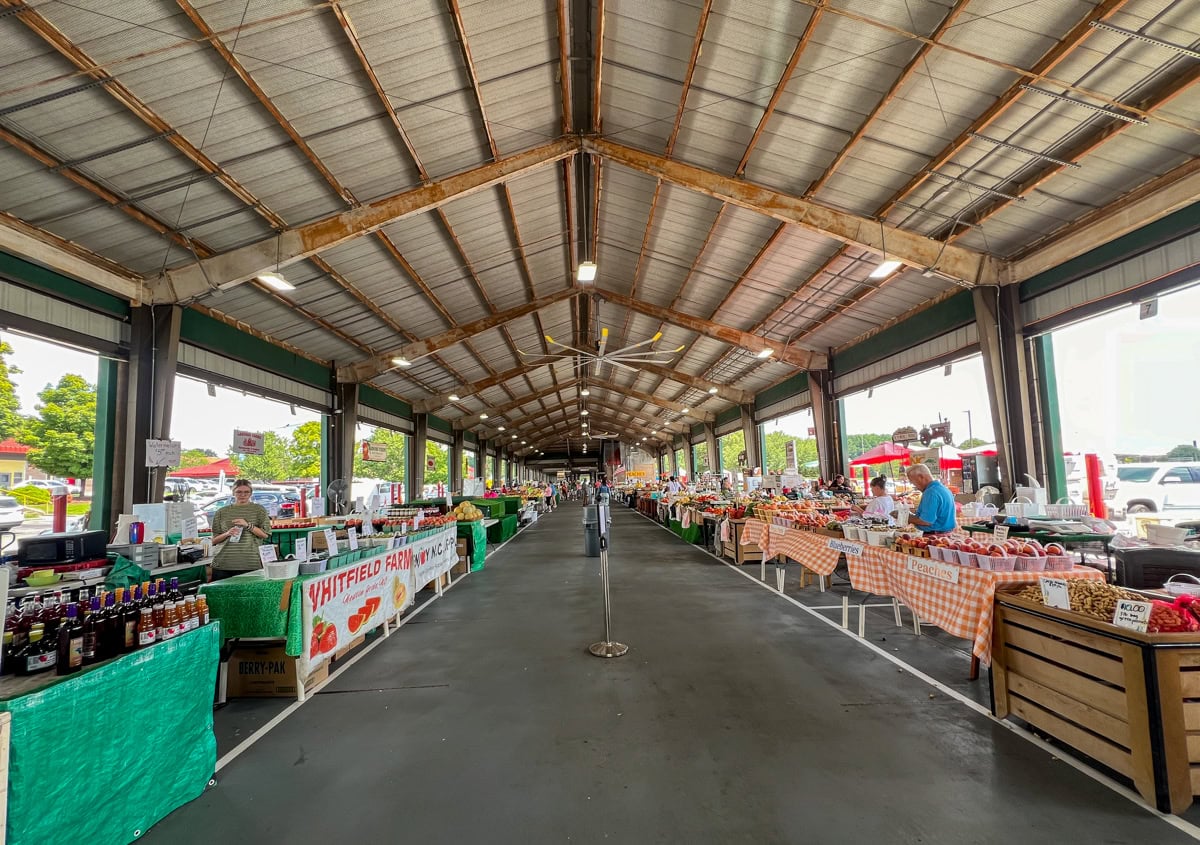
{"x": 1059, "y": 526}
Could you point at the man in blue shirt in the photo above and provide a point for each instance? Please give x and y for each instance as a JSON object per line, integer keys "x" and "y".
{"x": 935, "y": 514}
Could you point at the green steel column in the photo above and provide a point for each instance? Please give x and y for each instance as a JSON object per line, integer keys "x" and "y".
{"x": 327, "y": 447}
{"x": 103, "y": 516}
{"x": 1056, "y": 471}
{"x": 840, "y": 424}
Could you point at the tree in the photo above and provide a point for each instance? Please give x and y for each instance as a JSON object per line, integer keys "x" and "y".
{"x": 306, "y": 451}
{"x": 195, "y": 458}
{"x": 776, "y": 449}
{"x": 62, "y": 435}
{"x": 439, "y": 473}
{"x": 274, "y": 464}
{"x": 393, "y": 469}
{"x": 1184, "y": 452}
{"x": 972, "y": 443}
{"x": 11, "y": 422}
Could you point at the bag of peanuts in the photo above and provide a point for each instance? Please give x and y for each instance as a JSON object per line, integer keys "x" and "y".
{"x": 1173, "y": 617}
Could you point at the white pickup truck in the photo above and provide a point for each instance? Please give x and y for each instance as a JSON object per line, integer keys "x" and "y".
{"x": 1156, "y": 488}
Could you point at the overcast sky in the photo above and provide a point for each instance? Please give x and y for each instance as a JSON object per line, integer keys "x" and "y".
{"x": 1125, "y": 385}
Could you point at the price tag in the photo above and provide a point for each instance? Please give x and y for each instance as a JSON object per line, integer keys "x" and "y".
{"x": 301, "y": 548}
{"x": 331, "y": 541}
{"x": 1054, "y": 593}
{"x": 845, "y": 547}
{"x": 1000, "y": 533}
{"x": 1133, "y": 615}
{"x": 189, "y": 529}
{"x": 267, "y": 554}
{"x": 352, "y": 536}
{"x": 776, "y": 530}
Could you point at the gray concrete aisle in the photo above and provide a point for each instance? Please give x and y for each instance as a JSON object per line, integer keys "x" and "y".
{"x": 736, "y": 717}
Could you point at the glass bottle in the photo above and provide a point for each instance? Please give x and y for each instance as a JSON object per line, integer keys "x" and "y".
{"x": 159, "y": 610}
{"x": 10, "y": 629}
{"x": 147, "y": 634}
{"x": 202, "y": 609}
{"x": 130, "y": 613}
{"x": 112, "y": 631}
{"x": 91, "y": 633}
{"x": 70, "y": 643}
{"x": 175, "y": 594}
{"x": 21, "y": 629}
{"x": 193, "y": 618}
{"x": 39, "y": 654}
{"x": 84, "y": 604}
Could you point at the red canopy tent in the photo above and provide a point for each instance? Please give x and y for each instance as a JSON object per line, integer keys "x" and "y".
{"x": 209, "y": 470}
{"x": 884, "y": 453}
{"x": 985, "y": 449}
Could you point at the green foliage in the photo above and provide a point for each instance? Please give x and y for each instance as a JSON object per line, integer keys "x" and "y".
{"x": 776, "y": 449}
{"x": 440, "y": 473}
{"x": 393, "y": 468}
{"x": 730, "y": 446}
{"x": 857, "y": 444}
{"x": 11, "y": 422}
{"x": 971, "y": 444}
{"x": 306, "y": 451}
{"x": 700, "y": 458}
{"x": 29, "y": 496}
{"x": 63, "y": 433}
{"x": 274, "y": 464}
{"x": 195, "y": 458}
{"x": 1184, "y": 452}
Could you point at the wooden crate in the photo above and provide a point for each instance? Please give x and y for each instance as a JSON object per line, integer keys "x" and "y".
{"x": 1129, "y": 701}
{"x": 740, "y": 552}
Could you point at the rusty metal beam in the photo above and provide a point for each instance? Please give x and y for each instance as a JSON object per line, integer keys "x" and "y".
{"x": 293, "y": 245}
{"x": 617, "y": 412}
{"x": 784, "y": 79}
{"x": 803, "y": 358}
{"x": 705, "y": 10}
{"x": 364, "y": 370}
{"x": 724, "y": 392}
{"x": 599, "y": 54}
{"x": 63, "y": 256}
{"x": 746, "y": 275}
{"x": 564, "y": 66}
{"x": 915, "y": 250}
{"x": 905, "y": 75}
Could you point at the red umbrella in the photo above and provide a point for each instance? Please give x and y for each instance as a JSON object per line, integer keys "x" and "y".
{"x": 209, "y": 470}
{"x": 884, "y": 453}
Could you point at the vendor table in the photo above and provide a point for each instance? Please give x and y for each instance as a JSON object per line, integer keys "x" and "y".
{"x": 1071, "y": 542}
{"x": 962, "y": 607}
{"x": 502, "y": 529}
{"x": 476, "y": 537}
{"x": 74, "y": 775}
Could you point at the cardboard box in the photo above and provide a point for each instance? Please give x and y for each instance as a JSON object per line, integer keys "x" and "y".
{"x": 462, "y": 567}
{"x": 461, "y": 546}
{"x": 266, "y": 672}
{"x": 432, "y": 585}
{"x": 349, "y": 647}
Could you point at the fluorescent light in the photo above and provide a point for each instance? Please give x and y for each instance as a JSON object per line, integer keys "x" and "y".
{"x": 401, "y": 361}
{"x": 583, "y": 413}
{"x": 522, "y": 442}
{"x": 453, "y": 397}
{"x": 275, "y": 281}
{"x": 687, "y": 410}
{"x": 499, "y": 428}
{"x": 886, "y": 269}
{"x": 483, "y": 416}
{"x": 585, "y": 392}
{"x": 586, "y": 272}
{"x": 514, "y": 437}
{"x": 713, "y": 391}
{"x": 766, "y": 353}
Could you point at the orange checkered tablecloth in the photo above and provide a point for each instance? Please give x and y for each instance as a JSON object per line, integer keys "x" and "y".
{"x": 962, "y": 609}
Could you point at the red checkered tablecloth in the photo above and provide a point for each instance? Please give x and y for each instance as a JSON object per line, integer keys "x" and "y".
{"x": 962, "y": 609}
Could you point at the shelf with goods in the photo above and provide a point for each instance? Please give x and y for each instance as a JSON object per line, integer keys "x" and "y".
{"x": 1126, "y": 699}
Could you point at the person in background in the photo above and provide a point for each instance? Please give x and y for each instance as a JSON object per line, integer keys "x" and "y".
{"x": 881, "y": 504}
{"x": 673, "y": 486}
{"x": 726, "y": 485}
{"x": 548, "y": 495}
{"x": 239, "y": 529}
{"x": 840, "y": 487}
{"x": 935, "y": 513}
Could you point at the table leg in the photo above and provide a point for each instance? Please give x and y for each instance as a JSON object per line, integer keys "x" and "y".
{"x": 780, "y": 574}
{"x": 846, "y": 610}
{"x": 762, "y": 575}
{"x": 974, "y": 674}
{"x": 896, "y": 611}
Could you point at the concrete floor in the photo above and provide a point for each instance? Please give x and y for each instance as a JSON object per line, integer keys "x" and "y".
{"x": 736, "y": 717}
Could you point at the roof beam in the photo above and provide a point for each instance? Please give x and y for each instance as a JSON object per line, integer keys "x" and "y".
{"x": 292, "y": 245}
{"x": 915, "y": 250}
{"x": 724, "y": 391}
{"x": 368, "y": 369}
{"x": 591, "y": 402}
{"x": 803, "y": 358}
{"x": 62, "y": 256}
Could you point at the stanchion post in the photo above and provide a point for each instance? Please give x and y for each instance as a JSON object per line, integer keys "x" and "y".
{"x": 606, "y": 647}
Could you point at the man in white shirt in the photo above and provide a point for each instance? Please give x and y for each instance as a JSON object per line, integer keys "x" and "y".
{"x": 673, "y": 486}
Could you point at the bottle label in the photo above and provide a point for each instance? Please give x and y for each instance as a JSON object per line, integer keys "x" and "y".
{"x": 146, "y": 638}
{"x": 170, "y": 631}
{"x": 75, "y": 652}
{"x": 40, "y": 662}
{"x": 89, "y": 646}
{"x": 130, "y": 633}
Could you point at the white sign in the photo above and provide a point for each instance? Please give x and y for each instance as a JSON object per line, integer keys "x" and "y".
{"x": 247, "y": 442}
{"x": 947, "y": 572}
{"x": 331, "y": 541}
{"x": 1000, "y": 533}
{"x": 776, "y": 530}
{"x": 1054, "y": 593}
{"x": 267, "y": 554}
{"x": 845, "y": 547}
{"x": 189, "y": 528}
{"x": 1133, "y": 615}
{"x": 317, "y": 506}
{"x": 374, "y": 451}
{"x": 301, "y": 548}
{"x": 163, "y": 453}
{"x": 789, "y": 452}
{"x": 352, "y": 536}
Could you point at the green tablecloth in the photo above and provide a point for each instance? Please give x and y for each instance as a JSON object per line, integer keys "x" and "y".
{"x": 71, "y": 773}
{"x": 512, "y": 504}
{"x": 476, "y": 537}
{"x": 491, "y": 508}
{"x": 691, "y": 534}
{"x": 252, "y": 606}
{"x": 1044, "y": 537}
{"x": 502, "y": 529}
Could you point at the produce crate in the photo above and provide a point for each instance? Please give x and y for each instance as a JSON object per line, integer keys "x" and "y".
{"x": 1129, "y": 701}
{"x": 912, "y": 551}
{"x": 736, "y": 550}
{"x": 492, "y": 508}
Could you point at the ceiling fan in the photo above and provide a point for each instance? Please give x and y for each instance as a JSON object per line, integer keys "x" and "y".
{"x": 627, "y": 357}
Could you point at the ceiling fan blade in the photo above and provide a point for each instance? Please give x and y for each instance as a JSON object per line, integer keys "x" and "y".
{"x": 638, "y": 344}
{"x": 619, "y": 364}
{"x": 603, "y": 341}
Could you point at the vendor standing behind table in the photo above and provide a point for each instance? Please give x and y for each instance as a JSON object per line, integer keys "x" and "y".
{"x": 239, "y": 529}
{"x": 673, "y": 486}
{"x": 935, "y": 513}
{"x": 881, "y": 504}
{"x": 840, "y": 487}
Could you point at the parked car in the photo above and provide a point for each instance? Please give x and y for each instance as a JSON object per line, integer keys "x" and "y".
{"x": 46, "y": 484}
{"x": 1156, "y": 488}
{"x": 12, "y": 513}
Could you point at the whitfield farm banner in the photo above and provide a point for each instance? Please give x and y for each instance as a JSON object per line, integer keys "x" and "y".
{"x": 349, "y": 601}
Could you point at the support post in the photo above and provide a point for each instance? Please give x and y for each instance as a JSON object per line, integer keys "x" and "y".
{"x": 714, "y": 455}
{"x": 689, "y": 457}
{"x": 106, "y": 481}
{"x": 674, "y": 461}
{"x": 342, "y": 423}
{"x": 153, "y": 356}
{"x": 416, "y": 466}
{"x": 750, "y": 435}
{"x": 1002, "y": 342}
{"x": 1050, "y": 420}
{"x": 826, "y": 420}
{"x": 456, "y": 460}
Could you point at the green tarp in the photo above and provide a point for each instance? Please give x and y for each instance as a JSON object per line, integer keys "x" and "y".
{"x": 502, "y": 529}
{"x": 491, "y": 508}
{"x": 691, "y": 534}
{"x": 125, "y": 572}
{"x": 101, "y": 756}
{"x": 512, "y": 504}
{"x": 476, "y": 537}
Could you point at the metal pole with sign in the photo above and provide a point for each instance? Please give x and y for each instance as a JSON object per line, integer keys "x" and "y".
{"x": 606, "y": 647}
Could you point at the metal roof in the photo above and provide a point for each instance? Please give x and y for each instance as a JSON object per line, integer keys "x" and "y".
{"x": 157, "y": 134}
